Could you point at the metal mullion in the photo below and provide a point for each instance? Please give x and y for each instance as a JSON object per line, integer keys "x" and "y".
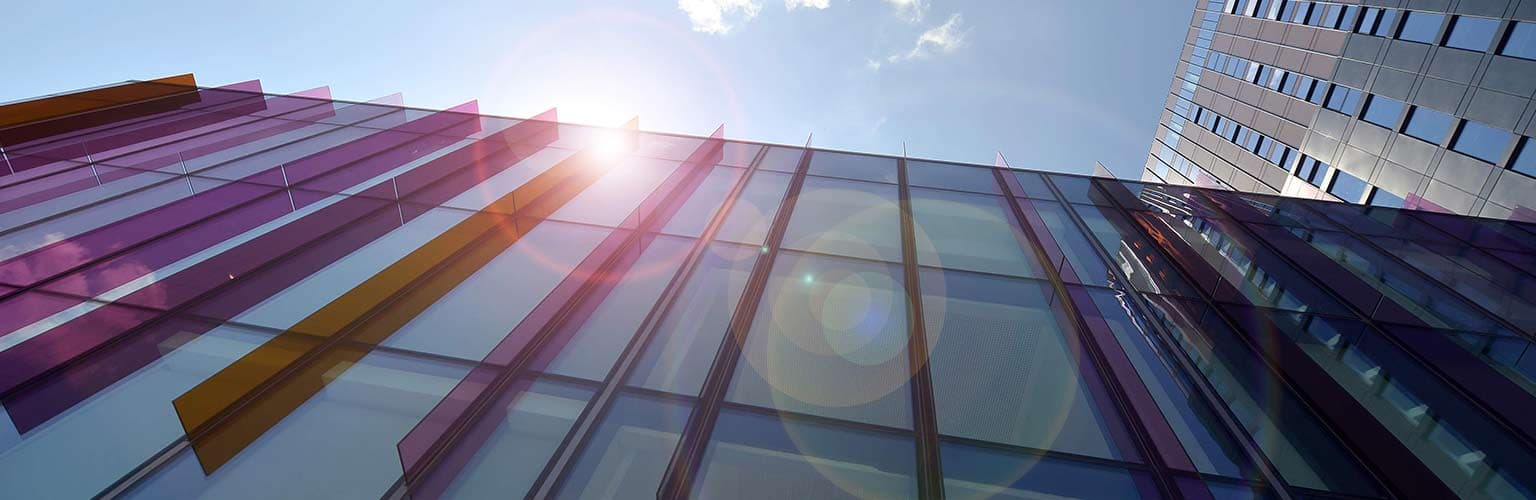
{"x": 1468, "y": 394}
{"x": 1373, "y": 463}
{"x": 1206, "y": 390}
{"x": 575, "y": 442}
{"x": 930, "y": 471}
{"x": 1096, "y": 357}
{"x": 683, "y": 468}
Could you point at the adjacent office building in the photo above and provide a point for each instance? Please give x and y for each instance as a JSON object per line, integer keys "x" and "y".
{"x": 1422, "y": 104}
{"x": 223, "y": 293}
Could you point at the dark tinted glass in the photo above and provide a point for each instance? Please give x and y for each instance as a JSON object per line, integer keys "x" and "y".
{"x": 971, "y": 472}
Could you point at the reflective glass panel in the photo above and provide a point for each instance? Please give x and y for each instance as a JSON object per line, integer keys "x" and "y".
{"x": 853, "y": 166}
{"x": 683, "y": 347}
{"x": 1420, "y": 27}
{"x": 975, "y": 473}
{"x": 951, "y": 176}
{"x": 1481, "y": 141}
{"x": 969, "y": 231}
{"x": 998, "y": 351}
{"x": 629, "y": 452}
{"x": 838, "y": 217}
{"x": 1472, "y": 33}
{"x": 509, "y": 460}
{"x": 829, "y": 339}
{"x": 754, "y": 208}
{"x": 753, "y": 456}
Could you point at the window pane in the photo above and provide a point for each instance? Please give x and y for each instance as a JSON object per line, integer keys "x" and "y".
{"x": 679, "y": 355}
{"x": 781, "y": 159}
{"x": 1428, "y": 124}
{"x": 853, "y": 166}
{"x": 1481, "y": 141}
{"x": 838, "y": 217}
{"x": 1383, "y": 198}
{"x": 1343, "y": 99}
{"x": 1472, "y": 33}
{"x": 627, "y": 455}
{"x": 966, "y": 231}
{"x": 1289, "y": 435}
{"x": 1521, "y": 41}
{"x": 485, "y": 306}
{"x": 1207, "y": 443}
{"x": 1034, "y": 186}
{"x": 1525, "y": 161}
{"x": 609, "y": 200}
{"x": 972, "y": 472}
{"x": 998, "y": 352}
{"x": 1147, "y": 270}
{"x": 1347, "y": 187}
{"x": 753, "y": 456}
{"x": 1420, "y": 27}
{"x": 591, "y": 351}
{"x": 738, "y": 154}
{"x": 829, "y": 339}
{"x": 340, "y": 443}
{"x": 529, "y": 432}
{"x": 949, "y": 176}
{"x": 754, "y": 208}
{"x": 1383, "y": 111}
{"x": 690, "y": 219}
{"x": 1079, "y": 252}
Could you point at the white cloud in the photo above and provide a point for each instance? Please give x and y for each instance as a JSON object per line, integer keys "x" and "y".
{"x": 711, "y": 16}
{"x": 910, "y": 10}
{"x": 813, "y": 4}
{"x": 941, "y": 39}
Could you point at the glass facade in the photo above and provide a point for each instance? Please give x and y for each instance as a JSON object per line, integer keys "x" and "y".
{"x": 221, "y": 293}
{"x": 1413, "y": 104}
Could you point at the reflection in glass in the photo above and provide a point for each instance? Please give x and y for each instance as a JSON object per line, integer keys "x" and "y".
{"x": 971, "y": 232}
{"x": 629, "y": 452}
{"x": 853, "y": 166}
{"x": 754, "y": 209}
{"x": 998, "y": 352}
{"x": 694, "y": 214}
{"x": 509, "y": 460}
{"x": 829, "y": 339}
{"x": 975, "y": 473}
{"x": 753, "y": 456}
{"x": 838, "y": 217}
{"x": 950, "y": 176}
{"x": 684, "y": 345}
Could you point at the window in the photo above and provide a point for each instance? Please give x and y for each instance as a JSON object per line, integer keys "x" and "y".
{"x": 1481, "y": 141}
{"x": 1376, "y": 21}
{"x": 976, "y": 472}
{"x": 1383, "y": 198}
{"x": 1343, "y": 99}
{"x": 678, "y": 357}
{"x": 999, "y": 352}
{"x": 838, "y": 217}
{"x": 1383, "y": 111}
{"x": 1347, "y": 187}
{"x": 1294, "y": 11}
{"x": 853, "y": 166}
{"x": 510, "y": 459}
{"x": 968, "y": 231}
{"x": 1428, "y": 124}
{"x": 630, "y": 450}
{"x": 1471, "y": 33}
{"x": 754, "y": 209}
{"x": 1525, "y": 160}
{"x": 948, "y": 176}
{"x": 1312, "y": 171}
{"x": 829, "y": 339}
{"x": 752, "y": 456}
{"x": 1332, "y": 17}
{"x": 1521, "y": 41}
{"x": 1420, "y": 27}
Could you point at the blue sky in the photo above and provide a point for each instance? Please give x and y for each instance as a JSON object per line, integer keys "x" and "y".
{"x": 1054, "y": 85}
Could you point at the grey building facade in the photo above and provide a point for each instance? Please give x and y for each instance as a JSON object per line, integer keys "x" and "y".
{"x": 1422, "y": 104}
